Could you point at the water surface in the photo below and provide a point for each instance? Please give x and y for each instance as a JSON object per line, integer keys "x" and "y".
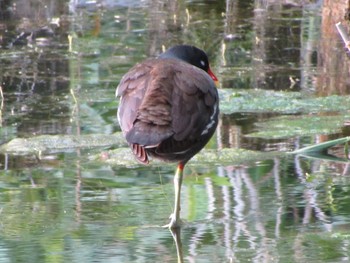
{"x": 63, "y": 206}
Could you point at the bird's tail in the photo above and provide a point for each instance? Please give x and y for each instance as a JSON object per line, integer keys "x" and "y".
{"x": 140, "y": 153}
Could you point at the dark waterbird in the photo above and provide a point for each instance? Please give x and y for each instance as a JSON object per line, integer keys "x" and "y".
{"x": 169, "y": 109}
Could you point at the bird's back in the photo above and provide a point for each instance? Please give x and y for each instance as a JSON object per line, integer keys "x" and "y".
{"x": 168, "y": 109}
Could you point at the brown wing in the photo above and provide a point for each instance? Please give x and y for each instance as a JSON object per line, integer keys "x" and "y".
{"x": 166, "y": 100}
{"x": 195, "y": 113}
{"x": 131, "y": 89}
{"x": 193, "y": 104}
{"x": 144, "y": 110}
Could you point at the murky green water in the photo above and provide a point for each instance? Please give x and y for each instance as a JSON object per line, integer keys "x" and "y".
{"x": 61, "y": 205}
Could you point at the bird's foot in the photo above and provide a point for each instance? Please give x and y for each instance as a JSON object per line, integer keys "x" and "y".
{"x": 174, "y": 222}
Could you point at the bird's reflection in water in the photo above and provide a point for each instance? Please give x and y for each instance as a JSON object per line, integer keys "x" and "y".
{"x": 176, "y": 233}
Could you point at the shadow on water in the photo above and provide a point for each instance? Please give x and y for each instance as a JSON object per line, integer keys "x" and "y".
{"x": 60, "y": 64}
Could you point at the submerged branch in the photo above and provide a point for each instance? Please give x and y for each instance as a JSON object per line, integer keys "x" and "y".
{"x": 321, "y": 147}
{"x": 344, "y": 35}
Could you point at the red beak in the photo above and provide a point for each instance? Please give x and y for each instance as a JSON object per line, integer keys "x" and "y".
{"x": 215, "y": 79}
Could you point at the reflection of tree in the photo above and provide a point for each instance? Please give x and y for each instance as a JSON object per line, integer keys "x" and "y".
{"x": 333, "y": 66}
{"x": 165, "y": 22}
{"x": 173, "y": 22}
{"x": 252, "y": 215}
{"x": 283, "y": 36}
{"x": 32, "y": 77}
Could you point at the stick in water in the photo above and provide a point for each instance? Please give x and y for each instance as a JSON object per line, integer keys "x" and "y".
{"x": 344, "y": 35}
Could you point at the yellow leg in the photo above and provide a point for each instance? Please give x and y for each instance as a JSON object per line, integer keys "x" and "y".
{"x": 175, "y": 221}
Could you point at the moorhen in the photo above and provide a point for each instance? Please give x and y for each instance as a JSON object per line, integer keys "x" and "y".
{"x": 169, "y": 109}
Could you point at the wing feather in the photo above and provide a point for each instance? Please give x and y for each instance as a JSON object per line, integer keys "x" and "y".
{"x": 166, "y": 104}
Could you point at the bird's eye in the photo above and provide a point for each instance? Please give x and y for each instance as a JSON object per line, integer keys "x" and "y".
{"x": 202, "y": 63}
